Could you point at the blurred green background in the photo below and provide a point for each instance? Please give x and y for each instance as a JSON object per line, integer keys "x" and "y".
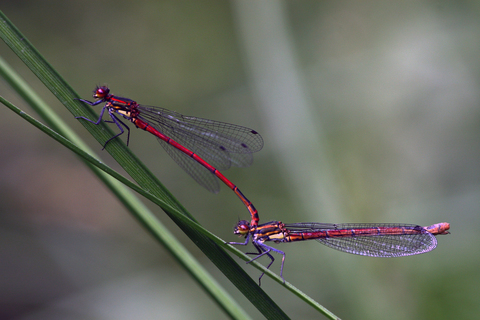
{"x": 369, "y": 111}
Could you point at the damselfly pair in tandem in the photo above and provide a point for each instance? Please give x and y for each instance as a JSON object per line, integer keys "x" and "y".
{"x": 202, "y": 147}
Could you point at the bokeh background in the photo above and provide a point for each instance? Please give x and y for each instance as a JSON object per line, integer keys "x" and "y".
{"x": 370, "y": 112}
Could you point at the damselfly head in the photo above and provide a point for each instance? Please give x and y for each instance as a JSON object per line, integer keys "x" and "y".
{"x": 242, "y": 228}
{"x": 101, "y": 92}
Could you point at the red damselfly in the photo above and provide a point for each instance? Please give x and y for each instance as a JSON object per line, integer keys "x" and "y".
{"x": 201, "y": 147}
{"x": 367, "y": 239}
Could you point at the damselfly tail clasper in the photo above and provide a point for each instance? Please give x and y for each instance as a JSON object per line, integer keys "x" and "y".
{"x": 201, "y": 147}
{"x": 367, "y": 239}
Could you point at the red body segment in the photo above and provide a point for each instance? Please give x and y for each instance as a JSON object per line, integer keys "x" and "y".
{"x": 251, "y": 209}
{"x": 436, "y": 229}
{"x": 439, "y": 228}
